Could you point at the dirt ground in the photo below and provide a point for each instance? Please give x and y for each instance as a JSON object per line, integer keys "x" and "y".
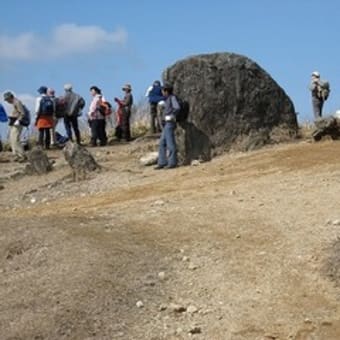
{"x": 246, "y": 246}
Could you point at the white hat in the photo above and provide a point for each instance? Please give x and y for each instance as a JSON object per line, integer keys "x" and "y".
{"x": 68, "y": 87}
{"x": 316, "y": 74}
{"x": 161, "y": 103}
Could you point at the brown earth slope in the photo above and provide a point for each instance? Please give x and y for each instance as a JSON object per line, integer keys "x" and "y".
{"x": 243, "y": 247}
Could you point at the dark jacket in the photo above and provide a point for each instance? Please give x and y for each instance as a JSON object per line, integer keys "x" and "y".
{"x": 155, "y": 95}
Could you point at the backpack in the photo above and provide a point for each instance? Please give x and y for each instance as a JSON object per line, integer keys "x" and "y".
{"x": 81, "y": 103}
{"x": 3, "y": 115}
{"x": 26, "y": 119}
{"x": 105, "y": 108}
{"x": 46, "y": 106}
{"x": 183, "y": 113}
{"x": 324, "y": 90}
{"x": 60, "y": 108}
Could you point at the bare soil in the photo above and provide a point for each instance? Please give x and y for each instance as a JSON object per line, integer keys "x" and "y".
{"x": 243, "y": 247}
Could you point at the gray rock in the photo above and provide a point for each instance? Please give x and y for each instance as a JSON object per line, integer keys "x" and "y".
{"x": 177, "y": 308}
{"x": 149, "y": 159}
{"x": 230, "y": 98}
{"x": 192, "y": 309}
{"x": 328, "y": 126}
{"x": 195, "y": 330}
{"x": 39, "y": 164}
{"x": 80, "y": 160}
{"x": 140, "y": 304}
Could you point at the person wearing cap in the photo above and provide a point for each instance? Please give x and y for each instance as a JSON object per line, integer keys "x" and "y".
{"x": 317, "y": 100}
{"x": 51, "y": 94}
{"x": 72, "y": 110}
{"x": 96, "y": 118}
{"x": 155, "y": 95}
{"x": 167, "y": 155}
{"x": 15, "y": 128}
{"x": 45, "y": 113}
{"x": 126, "y": 106}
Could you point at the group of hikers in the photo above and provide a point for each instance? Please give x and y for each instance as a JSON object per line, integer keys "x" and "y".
{"x": 165, "y": 108}
{"x": 50, "y": 110}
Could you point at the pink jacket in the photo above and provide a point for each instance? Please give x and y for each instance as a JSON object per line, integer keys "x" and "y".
{"x": 94, "y": 112}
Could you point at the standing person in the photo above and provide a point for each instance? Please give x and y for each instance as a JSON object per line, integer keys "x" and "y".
{"x": 320, "y": 92}
{"x": 167, "y": 156}
{"x": 126, "y": 105}
{"x": 45, "y": 112}
{"x": 15, "y": 127}
{"x": 155, "y": 95}
{"x": 51, "y": 94}
{"x": 74, "y": 103}
{"x": 96, "y": 118}
{"x": 3, "y": 119}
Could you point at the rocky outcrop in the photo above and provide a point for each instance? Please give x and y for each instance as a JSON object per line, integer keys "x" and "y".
{"x": 329, "y": 126}
{"x": 38, "y": 162}
{"x": 80, "y": 160}
{"x": 230, "y": 98}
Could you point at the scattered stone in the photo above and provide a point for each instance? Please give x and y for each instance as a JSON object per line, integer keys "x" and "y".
{"x": 185, "y": 259}
{"x": 177, "y": 308}
{"x": 161, "y": 275}
{"x": 336, "y": 222}
{"x": 195, "y": 330}
{"x": 38, "y": 162}
{"x": 192, "y": 309}
{"x": 179, "y": 331}
{"x": 149, "y": 159}
{"x": 140, "y": 304}
{"x": 192, "y": 266}
{"x": 195, "y": 162}
{"x": 158, "y": 203}
{"x": 238, "y": 236}
{"x": 232, "y": 193}
{"x": 33, "y": 200}
{"x": 163, "y": 307}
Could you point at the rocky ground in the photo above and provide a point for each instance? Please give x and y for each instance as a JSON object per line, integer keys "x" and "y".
{"x": 244, "y": 247}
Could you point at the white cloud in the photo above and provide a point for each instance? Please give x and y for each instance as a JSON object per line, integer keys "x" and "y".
{"x": 64, "y": 40}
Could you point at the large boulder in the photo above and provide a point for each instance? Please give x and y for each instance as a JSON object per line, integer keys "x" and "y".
{"x": 328, "y": 126}
{"x": 232, "y": 101}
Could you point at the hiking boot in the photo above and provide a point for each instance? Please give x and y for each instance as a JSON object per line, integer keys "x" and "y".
{"x": 170, "y": 167}
{"x": 159, "y": 167}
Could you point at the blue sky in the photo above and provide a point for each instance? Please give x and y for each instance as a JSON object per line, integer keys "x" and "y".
{"x": 109, "y": 43}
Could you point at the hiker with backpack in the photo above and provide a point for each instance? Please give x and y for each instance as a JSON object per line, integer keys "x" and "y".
{"x": 45, "y": 112}
{"x": 97, "y": 118}
{"x": 155, "y": 95}
{"x": 18, "y": 118}
{"x": 73, "y": 105}
{"x": 126, "y": 105}
{"x": 320, "y": 90}
{"x": 167, "y": 156}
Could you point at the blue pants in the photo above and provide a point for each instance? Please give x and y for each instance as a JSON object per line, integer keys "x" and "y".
{"x": 167, "y": 143}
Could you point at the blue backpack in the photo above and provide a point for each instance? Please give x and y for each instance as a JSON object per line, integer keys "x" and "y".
{"x": 46, "y": 106}
{"x": 3, "y": 115}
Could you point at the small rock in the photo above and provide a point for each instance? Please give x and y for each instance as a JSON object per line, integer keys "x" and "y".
{"x": 177, "y": 308}
{"x": 238, "y": 236}
{"x": 192, "y": 266}
{"x": 232, "y": 193}
{"x": 179, "y": 330}
{"x": 195, "y": 330}
{"x": 195, "y": 162}
{"x": 163, "y": 307}
{"x": 74, "y": 209}
{"x": 140, "y": 304}
{"x": 149, "y": 159}
{"x": 336, "y": 222}
{"x": 161, "y": 275}
{"x": 158, "y": 203}
{"x": 33, "y": 200}
{"x": 185, "y": 259}
{"x": 2, "y": 187}
{"x": 192, "y": 309}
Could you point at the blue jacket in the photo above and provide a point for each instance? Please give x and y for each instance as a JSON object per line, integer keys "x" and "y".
{"x": 155, "y": 95}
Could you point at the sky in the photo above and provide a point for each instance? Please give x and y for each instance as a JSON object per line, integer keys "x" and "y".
{"x": 109, "y": 43}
